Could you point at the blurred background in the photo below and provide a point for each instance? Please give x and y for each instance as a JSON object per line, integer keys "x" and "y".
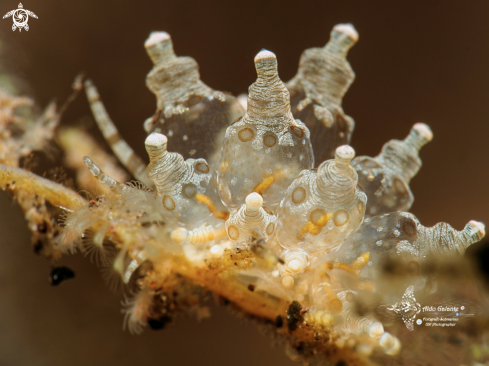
{"x": 416, "y": 61}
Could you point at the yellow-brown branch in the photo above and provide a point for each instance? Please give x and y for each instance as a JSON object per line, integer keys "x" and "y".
{"x": 55, "y": 193}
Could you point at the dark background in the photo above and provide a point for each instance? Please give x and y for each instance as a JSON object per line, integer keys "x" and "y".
{"x": 416, "y": 61}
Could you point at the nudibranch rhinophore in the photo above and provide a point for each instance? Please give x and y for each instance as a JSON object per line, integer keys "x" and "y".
{"x": 248, "y": 206}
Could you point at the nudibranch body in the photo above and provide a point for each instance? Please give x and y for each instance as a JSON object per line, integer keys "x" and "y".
{"x": 248, "y": 202}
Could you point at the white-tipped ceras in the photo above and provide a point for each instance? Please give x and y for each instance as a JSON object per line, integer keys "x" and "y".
{"x": 192, "y": 115}
{"x": 267, "y": 148}
{"x": 385, "y": 178}
{"x": 317, "y": 91}
{"x": 321, "y": 208}
{"x": 179, "y": 183}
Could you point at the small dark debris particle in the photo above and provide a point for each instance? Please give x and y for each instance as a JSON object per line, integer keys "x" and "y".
{"x": 240, "y": 247}
{"x": 341, "y": 363}
{"x": 251, "y": 287}
{"x": 42, "y": 228}
{"x": 281, "y": 261}
{"x": 221, "y": 300}
{"x": 279, "y": 321}
{"x": 159, "y": 323}
{"x": 60, "y": 274}
{"x": 294, "y": 315}
{"x": 258, "y": 246}
{"x": 299, "y": 347}
{"x": 38, "y": 247}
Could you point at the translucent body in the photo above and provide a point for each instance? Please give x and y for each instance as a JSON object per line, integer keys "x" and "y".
{"x": 380, "y": 237}
{"x": 385, "y": 178}
{"x": 317, "y": 90}
{"x": 178, "y": 182}
{"x": 400, "y": 235}
{"x": 321, "y": 208}
{"x": 266, "y": 149}
{"x": 198, "y": 129}
{"x": 192, "y": 115}
{"x": 328, "y": 297}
